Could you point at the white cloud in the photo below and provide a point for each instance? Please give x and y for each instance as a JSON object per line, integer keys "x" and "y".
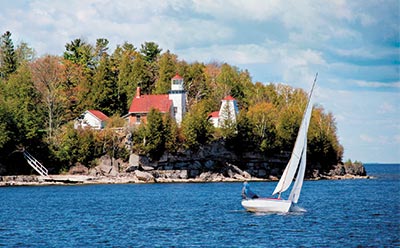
{"x": 347, "y": 42}
{"x": 386, "y": 108}
{"x": 378, "y": 84}
{"x": 367, "y": 138}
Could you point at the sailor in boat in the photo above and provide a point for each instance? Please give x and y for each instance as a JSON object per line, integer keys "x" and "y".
{"x": 247, "y": 193}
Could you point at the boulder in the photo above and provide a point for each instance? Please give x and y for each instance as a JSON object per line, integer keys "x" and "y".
{"x": 107, "y": 167}
{"x": 78, "y": 169}
{"x": 144, "y": 176}
{"x": 133, "y": 161}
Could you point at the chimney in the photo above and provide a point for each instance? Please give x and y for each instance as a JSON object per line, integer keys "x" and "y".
{"x": 138, "y": 92}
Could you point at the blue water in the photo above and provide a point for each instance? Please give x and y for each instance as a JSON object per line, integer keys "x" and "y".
{"x": 344, "y": 213}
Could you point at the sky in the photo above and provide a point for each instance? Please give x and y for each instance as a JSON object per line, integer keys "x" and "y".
{"x": 353, "y": 45}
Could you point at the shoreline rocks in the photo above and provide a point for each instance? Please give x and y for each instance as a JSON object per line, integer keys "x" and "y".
{"x": 209, "y": 164}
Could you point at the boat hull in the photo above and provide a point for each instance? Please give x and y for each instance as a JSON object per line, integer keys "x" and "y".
{"x": 267, "y": 205}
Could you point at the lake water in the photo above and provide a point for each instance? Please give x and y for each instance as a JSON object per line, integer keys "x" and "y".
{"x": 344, "y": 213}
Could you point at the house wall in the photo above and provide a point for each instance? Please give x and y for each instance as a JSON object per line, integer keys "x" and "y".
{"x": 92, "y": 121}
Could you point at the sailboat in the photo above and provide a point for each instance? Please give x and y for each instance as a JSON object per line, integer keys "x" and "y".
{"x": 297, "y": 163}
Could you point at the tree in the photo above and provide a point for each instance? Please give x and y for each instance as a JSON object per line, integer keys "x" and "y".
{"x": 79, "y": 52}
{"x": 172, "y": 134}
{"x": 152, "y": 135}
{"x": 124, "y": 59}
{"x": 100, "y": 50}
{"x": 151, "y": 51}
{"x": 263, "y": 118}
{"x": 104, "y": 93}
{"x": 48, "y": 77}
{"x": 8, "y": 58}
{"x": 23, "y": 101}
{"x": 196, "y": 128}
{"x": 167, "y": 69}
{"x": 243, "y": 140}
{"x": 75, "y": 145}
{"x": 195, "y": 80}
{"x": 24, "y": 53}
{"x": 323, "y": 145}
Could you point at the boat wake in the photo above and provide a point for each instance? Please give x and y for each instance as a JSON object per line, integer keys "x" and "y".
{"x": 297, "y": 209}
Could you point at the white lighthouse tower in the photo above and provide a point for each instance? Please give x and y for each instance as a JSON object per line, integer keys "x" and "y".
{"x": 178, "y": 96}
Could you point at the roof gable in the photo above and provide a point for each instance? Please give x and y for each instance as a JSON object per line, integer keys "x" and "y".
{"x": 177, "y": 76}
{"x": 98, "y": 114}
{"x": 229, "y": 98}
{"x": 214, "y": 114}
{"x": 145, "y": 103}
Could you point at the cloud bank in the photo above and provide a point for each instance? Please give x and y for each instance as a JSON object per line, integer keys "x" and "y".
{"x": 354, "y": 45}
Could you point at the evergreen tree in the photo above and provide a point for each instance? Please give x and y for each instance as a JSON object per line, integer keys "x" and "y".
{"x": 104, "y": 90}
{"x": 196, "y": 128}
{"x": 79, "y": 52}
{"x": 151, "y": 51}
{"x": 167, "y": 70}
{"x": 8, "y": 58}
{"x": 153, "y": 135}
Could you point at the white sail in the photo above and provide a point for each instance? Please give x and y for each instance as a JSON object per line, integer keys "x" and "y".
{"x": 300, "y": 144}
{"x": 291, "y": 167}
{"x": 295, "y": 193}
{"x": 297, "y": 163}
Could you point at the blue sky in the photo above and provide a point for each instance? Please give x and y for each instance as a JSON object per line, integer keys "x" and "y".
{"x": 353, "y": 45}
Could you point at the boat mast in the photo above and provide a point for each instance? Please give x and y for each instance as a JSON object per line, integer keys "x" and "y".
{"x": 290, "y": 170}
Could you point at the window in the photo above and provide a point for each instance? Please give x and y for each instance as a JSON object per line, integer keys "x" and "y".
{"x": 138, "y": 119}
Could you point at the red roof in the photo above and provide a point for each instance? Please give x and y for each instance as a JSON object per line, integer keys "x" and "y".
{"x": 214, "y": 114}
{"x": 98, "y": 114}
{"x": 177, "y": 77}
{"x": 229, "y": 98}
{"x": 145, "y": 103}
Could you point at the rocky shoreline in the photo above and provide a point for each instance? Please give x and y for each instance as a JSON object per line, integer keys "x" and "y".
{"x": 139, "y": 177}
{"x": 211, "y": 164}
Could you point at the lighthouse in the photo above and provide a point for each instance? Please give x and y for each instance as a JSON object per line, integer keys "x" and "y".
{"x": 178, "y": 96}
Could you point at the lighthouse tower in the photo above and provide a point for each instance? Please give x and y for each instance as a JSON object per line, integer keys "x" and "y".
{"x": 178, "y": 96}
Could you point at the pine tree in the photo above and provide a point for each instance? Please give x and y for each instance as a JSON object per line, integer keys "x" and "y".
{"x": 8, "y": 58}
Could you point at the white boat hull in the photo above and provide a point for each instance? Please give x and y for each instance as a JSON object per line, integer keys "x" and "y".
{"x": 267, "y": 205}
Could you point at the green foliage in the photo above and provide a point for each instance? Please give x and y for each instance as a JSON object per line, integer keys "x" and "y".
{"x": 196, "y": 128}
{"x": 75, "y": 145}
{"x": 172, "y": 134}
{"x": 167, "y": 70}
{"x": 39, "y": 96}
{"x": 323, "y": 142}
{"x": 24, "y": 103}
{"x": 150, "y": 137}
{"x": 263, "y": 118}
{"x": 6, "y": 134}
{"x": 243, "y": 140}
{"x": 79, "y": 52}
{"x": 196, "y": 85}
{"x": 150, "y": 51}
{"x": 8, "y": 58}
{"x": 103, "y": 92}
{"x": 24, "y": 53}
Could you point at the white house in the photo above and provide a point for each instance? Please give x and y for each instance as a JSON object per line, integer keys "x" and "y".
{"x": 94, "y": 119}
{"x": 228, "y": 111}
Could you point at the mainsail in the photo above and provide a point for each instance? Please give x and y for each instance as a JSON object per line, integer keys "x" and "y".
{"x": 298, "y": 156}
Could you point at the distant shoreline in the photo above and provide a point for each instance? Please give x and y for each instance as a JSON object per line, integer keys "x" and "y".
{"x": 34, "y": 180}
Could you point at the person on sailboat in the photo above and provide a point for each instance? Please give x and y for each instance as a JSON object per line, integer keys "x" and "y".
{"x": 247, "y": 193}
